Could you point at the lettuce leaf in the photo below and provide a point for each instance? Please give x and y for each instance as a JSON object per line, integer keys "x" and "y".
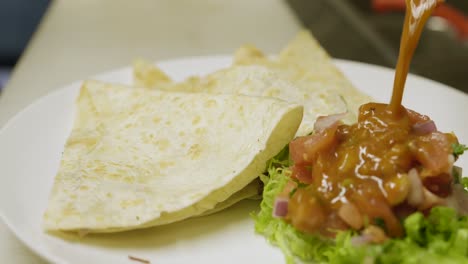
{"x": 458, "y": 149}
{"x": 441, "y": 237}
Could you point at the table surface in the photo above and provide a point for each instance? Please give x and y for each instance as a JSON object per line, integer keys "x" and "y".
{"x": 79, "y": 39}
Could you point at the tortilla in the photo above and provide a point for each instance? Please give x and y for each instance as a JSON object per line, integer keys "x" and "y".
{"x": 252, "y": 191}
{"x": 138, "y": 158}
{"x": 148, "y": 75}
{"x": 303, "y": 73}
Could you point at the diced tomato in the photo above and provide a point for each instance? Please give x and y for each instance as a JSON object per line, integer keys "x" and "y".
{"x": 332, "y": 225}
{"x": 302, "y": 173}
{"x": 403, "y": 210}
{"x": 304, "y": 150}
{"x": 441, "y": 185}
{"x": 290, "y": 185}
{"x": 305, "y": 211}
{"x": 297, "y": 150}
{"x": 375, "y": 207}
{"x": 432, "y": 151}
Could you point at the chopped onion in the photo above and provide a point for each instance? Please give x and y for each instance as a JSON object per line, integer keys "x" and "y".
{"x": 280, "y": 210}
{"x": 351, "y": 215}
{"x": 415, "y": 195}
{"x": 451, "y": 161}
{"x": 425, "y": 127}
{"x": 430, "y": 200}
{"x": 360, "y": 240}
{"x": 324, "y": 122}
{"x": 375, "y": 234}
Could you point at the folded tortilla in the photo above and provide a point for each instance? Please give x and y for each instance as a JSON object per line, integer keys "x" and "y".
{"x": 252, "y": 191}
{"x": 138, "y": 158}
{"x": 303, "y": 73}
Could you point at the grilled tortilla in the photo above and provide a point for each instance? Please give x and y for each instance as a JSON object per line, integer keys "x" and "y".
{"x": 303, "y": 73}
{"x": 138, "y": 158}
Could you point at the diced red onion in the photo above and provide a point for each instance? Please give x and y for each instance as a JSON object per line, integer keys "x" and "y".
{"x": 280, "y": 210}
{"x": 415, "y": 195}
{"x": 425, "y": 127}
{"x": 324, "y": 122}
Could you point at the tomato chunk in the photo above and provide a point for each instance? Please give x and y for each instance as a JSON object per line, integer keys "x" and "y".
{"x": 431, "y": 151}
{"x": 304, "y": 150}
{"x": 302, "y": 173}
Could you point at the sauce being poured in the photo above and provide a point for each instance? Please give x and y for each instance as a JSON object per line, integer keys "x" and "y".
{"x": 417, "y": 13}
{"x": 366, "y": 176}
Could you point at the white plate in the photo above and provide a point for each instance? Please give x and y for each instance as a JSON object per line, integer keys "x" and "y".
{"x": 31, "y": 145}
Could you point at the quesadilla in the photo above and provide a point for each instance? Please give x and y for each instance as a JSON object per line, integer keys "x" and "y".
{"x": 303, "y": 73}
{"x": 137, "y": 158}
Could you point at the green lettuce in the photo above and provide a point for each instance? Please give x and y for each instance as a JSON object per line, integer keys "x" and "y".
{"x": 458, "y": 149}
{"x": 441, "y": 237}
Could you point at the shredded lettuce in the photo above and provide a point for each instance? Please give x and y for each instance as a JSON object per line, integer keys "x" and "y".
{"x": 441, "y": 237}
{"x": 458, "y": 149}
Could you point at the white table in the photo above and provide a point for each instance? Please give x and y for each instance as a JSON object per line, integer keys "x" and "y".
{"x": 78, "y": 39}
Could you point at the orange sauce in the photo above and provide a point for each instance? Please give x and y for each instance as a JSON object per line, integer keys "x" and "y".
{"x": 357, "y": 175}
{"x": 366, "y": 166}
{"x": 417, "y": 13}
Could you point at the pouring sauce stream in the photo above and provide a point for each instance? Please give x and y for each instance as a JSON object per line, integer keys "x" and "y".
{"x": 417, "y": 13}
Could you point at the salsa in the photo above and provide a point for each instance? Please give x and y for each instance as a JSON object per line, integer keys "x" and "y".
{"x": 369, "y": 175}
{"x": 371, "y": 172}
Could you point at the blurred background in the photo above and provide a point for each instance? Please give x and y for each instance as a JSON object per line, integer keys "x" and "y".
{"x": 369, "y": 31}
{"x": 18, "y": 21}
{"x": 361, "y": 30}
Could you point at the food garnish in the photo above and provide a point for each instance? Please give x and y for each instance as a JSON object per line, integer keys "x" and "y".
{"x": 382, "y": 190}
{"x": 379, "y": 168}
{"x": 436, "y": 235}
{"x": 458, "y": 149}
